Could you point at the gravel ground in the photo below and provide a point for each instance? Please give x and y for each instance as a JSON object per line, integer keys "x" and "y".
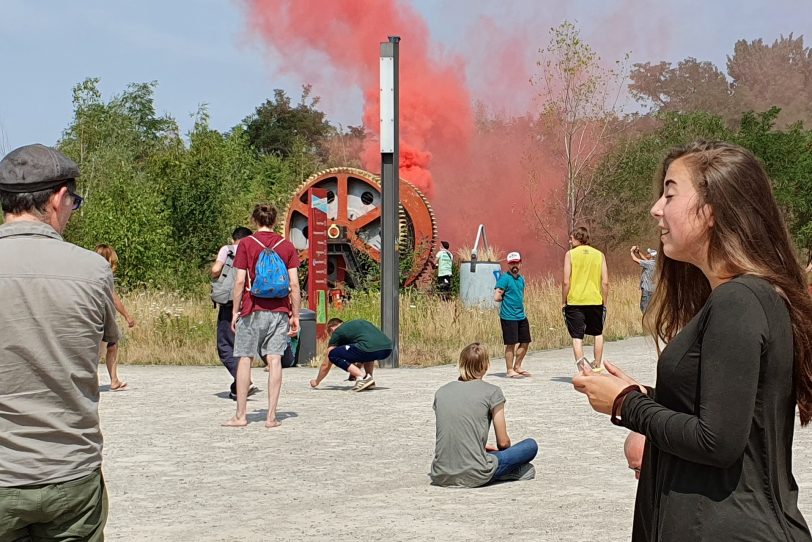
{"x": 347, "y": 466}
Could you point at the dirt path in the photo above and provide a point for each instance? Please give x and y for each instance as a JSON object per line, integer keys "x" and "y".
{"x": 347, "y": 466}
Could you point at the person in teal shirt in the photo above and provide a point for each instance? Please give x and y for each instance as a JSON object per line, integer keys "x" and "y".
{"x": 509, "y": 293}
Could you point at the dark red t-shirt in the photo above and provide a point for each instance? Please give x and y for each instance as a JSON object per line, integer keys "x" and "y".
{"x": 248, "y": 253}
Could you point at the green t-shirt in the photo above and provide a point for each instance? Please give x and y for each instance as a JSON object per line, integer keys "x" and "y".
{"x": 445, "y": 263}
{"x": 512, "y": 306}
{"x": 463, "y": 414}
{"x": 364, "y": 335}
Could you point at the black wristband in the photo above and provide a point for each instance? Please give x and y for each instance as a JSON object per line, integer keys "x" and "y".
{"x": 619, "y": 400}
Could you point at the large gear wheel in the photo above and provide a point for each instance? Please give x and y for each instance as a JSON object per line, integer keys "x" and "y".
{"x": 354, "y": 204}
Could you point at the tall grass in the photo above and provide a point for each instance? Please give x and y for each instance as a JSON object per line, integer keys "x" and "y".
{"x": 181, "y": 331}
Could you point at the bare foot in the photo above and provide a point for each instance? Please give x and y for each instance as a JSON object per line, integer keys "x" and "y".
{"x": 521, "y": 371}
{"x": 235, "y": 422}
{"x": 118, "y": 385}
{"x": 513, "y": 374}
{"x": 314, "y": 384}
{"x": 270, "y": 424}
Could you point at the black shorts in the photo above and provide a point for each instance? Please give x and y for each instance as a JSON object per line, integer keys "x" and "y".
{"x": 444, "y": 283}
{"x": 515, "y": 331}
{"x": 584, "y": 320}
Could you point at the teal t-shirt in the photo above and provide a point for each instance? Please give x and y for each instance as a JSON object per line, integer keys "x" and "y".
{"x": 512, "y": 307}
{"x": 364, "y": 335}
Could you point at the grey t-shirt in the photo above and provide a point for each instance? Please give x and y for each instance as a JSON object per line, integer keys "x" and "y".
{"x": 647, "y": 276}
{"x": 57, "y": 308}
{"x": 463, "y": 413}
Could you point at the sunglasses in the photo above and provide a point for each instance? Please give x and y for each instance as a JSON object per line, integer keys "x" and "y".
{"x": 77, "y": 200}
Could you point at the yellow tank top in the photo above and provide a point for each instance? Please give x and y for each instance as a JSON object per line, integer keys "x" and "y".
{"x": 585, "y": 278}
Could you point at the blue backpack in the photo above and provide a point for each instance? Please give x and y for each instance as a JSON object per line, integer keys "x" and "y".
{"x": 271, "y": 279}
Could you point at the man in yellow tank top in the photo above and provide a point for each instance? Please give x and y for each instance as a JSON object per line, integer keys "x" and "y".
{"x": 584, "y": 293}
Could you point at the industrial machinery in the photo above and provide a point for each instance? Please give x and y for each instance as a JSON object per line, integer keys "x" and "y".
{"x": 354, "y": 226}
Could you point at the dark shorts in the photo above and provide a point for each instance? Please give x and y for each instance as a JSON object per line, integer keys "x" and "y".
{"x": 584, "y": 320}
{"x": 444, "y": 284}
{"x": 344, "y": 356}
{"x": 515, "y": 331}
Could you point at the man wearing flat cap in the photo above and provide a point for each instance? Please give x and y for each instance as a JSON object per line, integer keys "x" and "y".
{"x": 57, "y": 307}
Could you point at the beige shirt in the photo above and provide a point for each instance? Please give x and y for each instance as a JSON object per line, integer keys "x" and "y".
{"x": 57, "y": 306}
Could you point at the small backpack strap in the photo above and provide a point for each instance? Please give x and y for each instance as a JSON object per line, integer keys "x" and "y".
{"x": 277, "y": 244}
{"x": 258, "y": 241}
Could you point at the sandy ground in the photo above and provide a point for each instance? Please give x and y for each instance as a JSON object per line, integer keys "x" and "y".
{"x": 347, "y": 466}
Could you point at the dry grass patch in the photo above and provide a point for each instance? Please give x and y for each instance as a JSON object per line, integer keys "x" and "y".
{"x": 177, "y": 330}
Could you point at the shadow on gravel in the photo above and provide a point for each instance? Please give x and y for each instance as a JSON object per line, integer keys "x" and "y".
{"x": 336, "y": 387}
{"x": 260, "y": 415}
{"x": 564, "y": 379}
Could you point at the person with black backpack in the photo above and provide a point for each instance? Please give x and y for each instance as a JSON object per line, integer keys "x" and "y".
{"x": 222, "y": 286}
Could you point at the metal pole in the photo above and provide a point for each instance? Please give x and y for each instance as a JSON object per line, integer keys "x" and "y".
{"x": 390, "y": 185}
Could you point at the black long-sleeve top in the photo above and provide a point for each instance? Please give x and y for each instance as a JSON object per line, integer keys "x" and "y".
{"x": 719, "y": 427}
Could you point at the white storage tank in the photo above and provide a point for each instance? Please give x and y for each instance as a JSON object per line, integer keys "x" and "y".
{"x": 477, "y": 281}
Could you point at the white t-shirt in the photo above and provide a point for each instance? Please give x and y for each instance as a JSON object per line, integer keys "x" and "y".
{"x": 222, "y": 255}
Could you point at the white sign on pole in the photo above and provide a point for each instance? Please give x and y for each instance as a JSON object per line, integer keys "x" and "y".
{"x": 387, "y": 106}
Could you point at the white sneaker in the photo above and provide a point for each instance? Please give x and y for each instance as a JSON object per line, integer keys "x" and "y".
{"x": 364, "y": 384}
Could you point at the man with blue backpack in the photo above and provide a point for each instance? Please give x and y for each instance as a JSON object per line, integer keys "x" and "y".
{"x": 223, "y": 276}
{"x": 265, "y": 309}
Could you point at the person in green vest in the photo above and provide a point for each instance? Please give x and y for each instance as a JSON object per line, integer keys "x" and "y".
{"x": 584, "y": 293}
{"x": 351, "y": 343}
{"x": 444, "y": 261}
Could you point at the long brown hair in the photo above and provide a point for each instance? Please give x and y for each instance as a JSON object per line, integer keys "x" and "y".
{"x": 748, "y": 236}
{"x": 109, "y": 254}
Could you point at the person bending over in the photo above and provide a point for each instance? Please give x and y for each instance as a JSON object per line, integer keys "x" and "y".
{"x": 355, "y": 341}
{"x": 464, "y": 410}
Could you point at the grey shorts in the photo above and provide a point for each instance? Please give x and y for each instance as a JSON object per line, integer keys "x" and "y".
{"x": 260, "y": 334}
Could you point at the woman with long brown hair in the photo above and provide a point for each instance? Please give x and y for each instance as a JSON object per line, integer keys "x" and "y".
{"x": 732, "y": 306}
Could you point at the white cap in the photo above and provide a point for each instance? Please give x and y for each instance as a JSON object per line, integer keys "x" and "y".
{"x": 514, "y": 257}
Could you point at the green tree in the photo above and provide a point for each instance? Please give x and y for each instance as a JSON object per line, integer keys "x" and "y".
{"x": 112, "y": 142}
{"x": 278, "y": 127}
{"x": 580, "y": 112}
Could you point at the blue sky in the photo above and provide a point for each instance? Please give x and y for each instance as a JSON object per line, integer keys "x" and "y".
{"x": 199, "y": 52}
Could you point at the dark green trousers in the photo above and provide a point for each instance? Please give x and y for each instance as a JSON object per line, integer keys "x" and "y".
{"x": 66, "y": 511}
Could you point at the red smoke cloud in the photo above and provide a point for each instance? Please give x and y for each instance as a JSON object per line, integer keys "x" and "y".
{"x": 435, "y": 107}
{"x": 482, "y": 175}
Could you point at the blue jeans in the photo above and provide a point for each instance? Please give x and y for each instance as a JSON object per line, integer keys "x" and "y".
{"x": 645, "y": 298}
{"x": 514, "y": 457}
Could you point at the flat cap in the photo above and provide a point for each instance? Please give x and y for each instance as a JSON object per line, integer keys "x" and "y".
{"x": 35, "y": 167}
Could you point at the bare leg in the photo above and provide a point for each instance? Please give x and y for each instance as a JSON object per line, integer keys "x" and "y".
{"x": 521, "y": 351}
{"x": 355, "y": 371}
{"x": 243, "y": 382}
{"x": 274, "y": 387}
{"x": 509, "y": 351}
{"x": 111, "y": 361}
{"x": 369, "y": 366}
{"x": 598, "y": 351}
{"x": 578, "y": 348}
